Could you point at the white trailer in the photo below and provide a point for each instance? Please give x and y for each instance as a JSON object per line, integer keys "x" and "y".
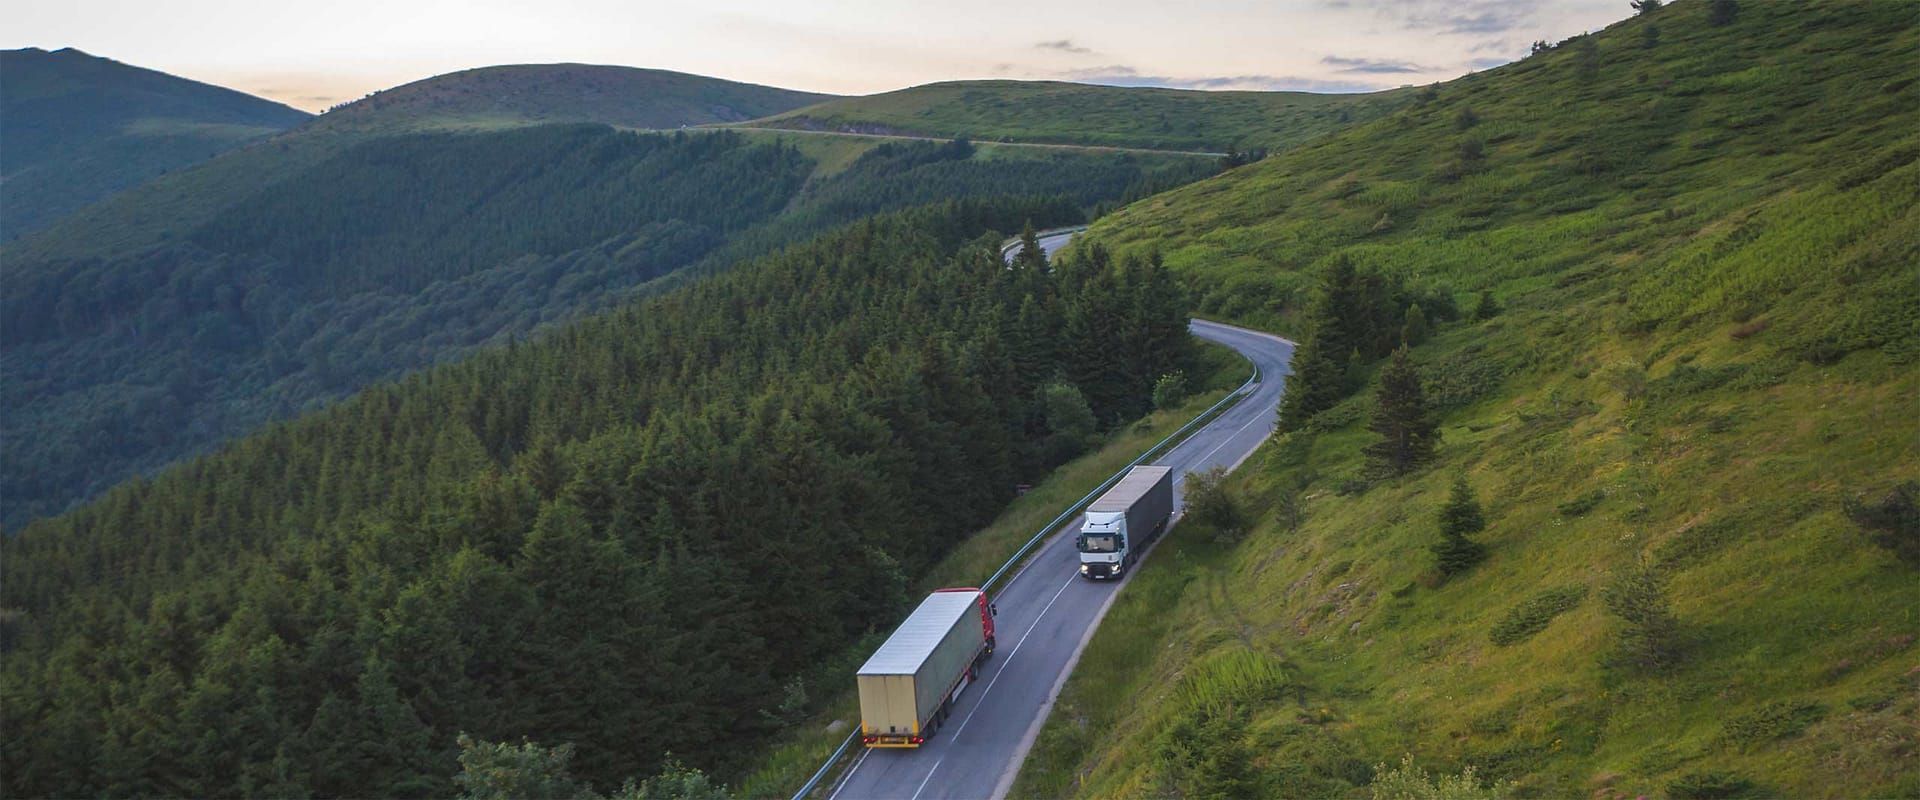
{"x": 1126, "y": 519}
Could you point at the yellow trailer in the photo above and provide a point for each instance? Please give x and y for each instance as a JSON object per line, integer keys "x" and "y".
{"x": 908, "y": 686}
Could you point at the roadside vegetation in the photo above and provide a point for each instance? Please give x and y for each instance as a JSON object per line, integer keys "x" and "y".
{"x": 1660, "y": 547}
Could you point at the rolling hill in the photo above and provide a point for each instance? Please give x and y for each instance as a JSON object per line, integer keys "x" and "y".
{"x": 79, "y": 127}
{"x": 478, "y": 100}
{"x": 1671, "y": 272}
{"x": 534, "y": 94}
{"x": 1082, "y": 114}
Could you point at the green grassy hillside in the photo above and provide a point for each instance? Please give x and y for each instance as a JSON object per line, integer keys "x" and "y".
{"x": 78, "y": 128}
{"x": 1072, "y": 113}
{"x": 1695, "y": 391}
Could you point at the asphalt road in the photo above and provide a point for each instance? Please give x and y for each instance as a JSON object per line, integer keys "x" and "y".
{"x": 1047, "y": 614}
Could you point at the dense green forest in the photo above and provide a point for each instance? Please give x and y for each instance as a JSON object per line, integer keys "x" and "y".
{"x": 400, "y": 252}
{"x": 628, "y": 535}
{"x": 1633, "y": 515}
{"x": 79, "y": 127}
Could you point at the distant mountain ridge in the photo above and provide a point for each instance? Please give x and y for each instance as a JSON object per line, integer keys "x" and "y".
{"x": 75, "y": 128}
{"x": 628, "y": 97}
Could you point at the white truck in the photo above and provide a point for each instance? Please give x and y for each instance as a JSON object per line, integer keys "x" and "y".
{"x": 907, "y": 688}
{"x": 1126, "y": 519}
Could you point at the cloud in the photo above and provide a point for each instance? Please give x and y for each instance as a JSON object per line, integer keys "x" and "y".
{"x": 1064, "y": 46}
{"x": 1448, "y": 16}
{"x": 1488, "y": 63}
{"x": 1373, "y": 66}
{"x": 1122, "y": 75}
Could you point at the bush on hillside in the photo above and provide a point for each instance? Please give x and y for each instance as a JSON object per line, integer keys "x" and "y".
{"x": 1408, "y": 782}
{"x": 1170, "y": 391}
{"x": 1650, "y": 635}
{"x": 1209, "y": 503}
{"x": 1534, "y": 614}
{"x": 1894, "y": 521}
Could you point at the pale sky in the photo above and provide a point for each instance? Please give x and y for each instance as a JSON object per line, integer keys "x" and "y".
{"x": 313, "y": 55}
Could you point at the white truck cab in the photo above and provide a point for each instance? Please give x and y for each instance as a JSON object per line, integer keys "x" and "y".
{"x": 1124, "y": 521}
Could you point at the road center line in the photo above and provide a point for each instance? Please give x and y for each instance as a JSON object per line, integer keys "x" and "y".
{"x": 1202, "y": 461}
{"x": 1009, "y": 660}
{"x": 923, "y": 781}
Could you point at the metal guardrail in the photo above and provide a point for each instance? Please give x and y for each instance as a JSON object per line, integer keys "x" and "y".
{"x": 1159, "y": 447}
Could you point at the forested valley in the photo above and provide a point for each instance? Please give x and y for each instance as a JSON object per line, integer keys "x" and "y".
{"x": 406, "y": 251}
{"x": 629, "y": 534}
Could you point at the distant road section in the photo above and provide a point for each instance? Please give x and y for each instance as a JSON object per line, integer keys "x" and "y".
{"x": 1047, "y": 614}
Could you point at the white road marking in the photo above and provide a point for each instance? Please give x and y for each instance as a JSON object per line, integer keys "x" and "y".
{"x": 848, "y": 778}
{"x": 1009, "y": 661}
{"x": 1230, "y": 438}
{"x": 923, "y": 782}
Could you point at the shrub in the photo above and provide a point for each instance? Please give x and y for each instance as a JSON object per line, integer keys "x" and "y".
{"x": 1696, "y": 544}
{"x": 1534, "y": 614}
{"x": 1894, "y": 521}
{"x": 1579, "y": 506}
{"x": 1650, "y": 636}
{"x": 1170, "y": 391}
{"x": 1408, "y": 782}
{"x": 1487, "y": 308}
{"x": 1460, "y": 379}
{"x": 1776, "y": 720}
{"x": 1210, "y": 504}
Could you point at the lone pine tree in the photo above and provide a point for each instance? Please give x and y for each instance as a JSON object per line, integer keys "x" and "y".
{"x": 1455, "y": 553}
{"x": 1407, "y": 433}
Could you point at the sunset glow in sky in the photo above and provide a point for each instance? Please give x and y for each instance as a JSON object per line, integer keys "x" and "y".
{"x": 316, "y": 55}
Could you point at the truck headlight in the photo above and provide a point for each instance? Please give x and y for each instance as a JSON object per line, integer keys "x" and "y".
{"x": 1084, "y": 568}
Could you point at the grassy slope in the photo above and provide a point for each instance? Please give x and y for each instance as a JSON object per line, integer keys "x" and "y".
{"x": 1071, "y": 113}
{"x": 789, "y": 763}
{"x": 492, "y": 98}
{"x": 1708, "y": 253}
{"x": 79, "y": 128}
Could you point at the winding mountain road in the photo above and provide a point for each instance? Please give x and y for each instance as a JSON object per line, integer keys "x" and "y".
{"x": 1047, "y": 615}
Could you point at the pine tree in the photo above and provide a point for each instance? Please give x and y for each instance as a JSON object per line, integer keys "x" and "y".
{"x": 1415, "y": 330}
{"x": 1455, "y": 553}
{"x": 1314, "y": 385}
{"x": 1407, "y": 434}
{"x": 1650, "y": 636}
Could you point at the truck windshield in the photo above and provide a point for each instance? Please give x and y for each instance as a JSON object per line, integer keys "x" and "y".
{"x": 1100, "y": 544}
